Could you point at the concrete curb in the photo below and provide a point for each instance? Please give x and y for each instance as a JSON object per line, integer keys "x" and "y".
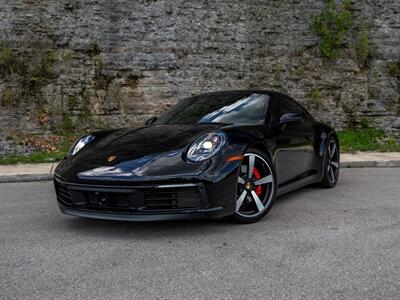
{"x": 370, "y": 164}
{"x": 25, "y": 178}
{"x": 345, "y": 164}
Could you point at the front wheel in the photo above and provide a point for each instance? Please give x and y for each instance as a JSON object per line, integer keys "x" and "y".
{"x": 256, "y": 187}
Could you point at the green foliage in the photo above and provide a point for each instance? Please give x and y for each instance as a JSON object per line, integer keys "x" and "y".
{"x": 368, "y": 139}
{"x": 47, "y": 65}
{"x": 10, "y": 63}
{"x": 363, "y": 47}
{"x": 64, "y": 127}
{"x": 394, "y": 69}
{"x": 72, "y": 102}
{"x": 32, "y": 73}
{"x": 35, "y": 157}
{"x": 11, "y": 97}
{"x": 45, "y": 148}
{"x": 39, "y": 73}
{"x": 365, "y": 123}
{"x": 67, "y": 55}
{"x": 338, "y": 99}
{"x": 331, "y": 26}
{"x": 67, "y": 123}
{"x": 7, "y": 98}
{"x": 94, "y": 49}
{"x": 316, "y": 97}
{"x": 86, "y": 110}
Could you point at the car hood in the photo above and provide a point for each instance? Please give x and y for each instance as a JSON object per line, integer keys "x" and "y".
{"x": 127, "y": 144}
{"x": 154, "y": 151}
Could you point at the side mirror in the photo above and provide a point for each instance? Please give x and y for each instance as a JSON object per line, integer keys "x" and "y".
{"x": 291, "y": 118}
{"x": 150, "y": 121}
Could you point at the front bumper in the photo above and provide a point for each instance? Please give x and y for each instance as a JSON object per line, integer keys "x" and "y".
{"x": 147, "y": 202}
{"x": 211, "y": 213}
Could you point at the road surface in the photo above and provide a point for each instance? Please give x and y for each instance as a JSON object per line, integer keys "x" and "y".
{"x": 315, "y": 244}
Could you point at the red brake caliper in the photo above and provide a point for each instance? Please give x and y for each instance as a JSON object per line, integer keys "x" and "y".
{"x": 257, "y": 176}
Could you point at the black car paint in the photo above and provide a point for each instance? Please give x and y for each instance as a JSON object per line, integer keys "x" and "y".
{"x": 154, "y": 155}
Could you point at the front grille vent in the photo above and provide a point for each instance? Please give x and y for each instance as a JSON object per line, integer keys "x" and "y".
{"x": 143, "y": 199}
{"x": 63, "y": 194}
{"x": 177, "y": 198}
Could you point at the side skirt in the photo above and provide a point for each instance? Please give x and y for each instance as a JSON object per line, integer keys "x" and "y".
{"x": 298, "y": 184}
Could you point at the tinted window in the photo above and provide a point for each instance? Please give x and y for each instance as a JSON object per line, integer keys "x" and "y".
{"x": 283, "y": 105}
{"x": 218, "y": 108}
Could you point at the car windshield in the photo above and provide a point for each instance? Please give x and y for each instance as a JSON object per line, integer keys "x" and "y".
{"x": 218, "y": 108}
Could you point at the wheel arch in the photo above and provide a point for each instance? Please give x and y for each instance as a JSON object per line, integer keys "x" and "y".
{"x": 323, "y": 133}
{"x": 262, "y": 147}
{"x": 334, "y": 134}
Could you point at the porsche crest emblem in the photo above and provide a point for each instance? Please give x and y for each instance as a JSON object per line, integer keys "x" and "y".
{"x": 111, "y": 158}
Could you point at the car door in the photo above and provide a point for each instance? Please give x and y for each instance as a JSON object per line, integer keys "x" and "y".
{"x": 294, "y": 139}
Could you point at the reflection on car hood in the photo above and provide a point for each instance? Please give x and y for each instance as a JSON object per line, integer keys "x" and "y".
{"x": 146, "y": 154}
{"x": 129, "y": 144}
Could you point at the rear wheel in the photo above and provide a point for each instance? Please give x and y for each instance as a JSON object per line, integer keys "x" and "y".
{"x": 331, "y": 165}
{"x": 256, "y": 188}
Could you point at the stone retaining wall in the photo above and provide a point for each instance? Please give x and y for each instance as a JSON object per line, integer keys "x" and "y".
{"x": 116, "y": 63}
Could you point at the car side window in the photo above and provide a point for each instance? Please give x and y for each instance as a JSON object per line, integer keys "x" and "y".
{"x": 282, "y": 105}
{"x": 297, "y": 108}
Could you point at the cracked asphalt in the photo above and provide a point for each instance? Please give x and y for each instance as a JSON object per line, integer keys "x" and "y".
{"x": 315, "y": 244}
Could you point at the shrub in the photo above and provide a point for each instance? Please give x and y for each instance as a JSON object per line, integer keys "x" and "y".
{"x": 332, "y": 26}
{"x": 363, "y": 47}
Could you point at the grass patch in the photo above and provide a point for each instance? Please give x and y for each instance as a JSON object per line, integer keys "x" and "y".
{"x": 35, "y": 157}
{"x": 368, "y": 139}
{"x": 43, "y": 149}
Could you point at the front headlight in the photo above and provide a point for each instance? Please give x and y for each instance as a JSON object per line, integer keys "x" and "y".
{"x": 206, "y": 146}
{"x": 79, "y": 144}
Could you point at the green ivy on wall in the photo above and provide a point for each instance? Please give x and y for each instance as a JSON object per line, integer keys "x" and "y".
{"x": 364, "y": 48}
{"x": 32, "y": 75}
{"x": 331, "y": 26}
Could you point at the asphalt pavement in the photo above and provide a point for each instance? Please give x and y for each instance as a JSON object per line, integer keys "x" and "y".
{"x": 341, "y": 243}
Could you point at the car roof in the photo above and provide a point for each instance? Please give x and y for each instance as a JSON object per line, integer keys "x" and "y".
{"x": 242, "y": 92}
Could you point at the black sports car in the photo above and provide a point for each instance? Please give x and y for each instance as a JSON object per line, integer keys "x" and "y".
{"x": 211, "y": 155}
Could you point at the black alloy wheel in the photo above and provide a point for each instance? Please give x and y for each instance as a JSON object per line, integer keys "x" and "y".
{"x": 331, "y": 164}
{"x": 256, "y": 188}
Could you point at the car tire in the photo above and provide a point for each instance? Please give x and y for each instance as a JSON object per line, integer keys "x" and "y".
{"x": 255, "y": 193}
{"x": 331, "y": 164}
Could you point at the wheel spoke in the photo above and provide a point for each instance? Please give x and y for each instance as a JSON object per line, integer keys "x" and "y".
{"x": 248, "y": 203}
{"x": 333, "y": 150}
{"x": 240, "y": 200}
{"x": 264, "y": 180}
{"x": 335, "y": 164}
{"x": 251, "y": 165}
{"x": 332, "y": 174}
{"x": 257, "y": 200}
{"x": 241, "y": 180}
